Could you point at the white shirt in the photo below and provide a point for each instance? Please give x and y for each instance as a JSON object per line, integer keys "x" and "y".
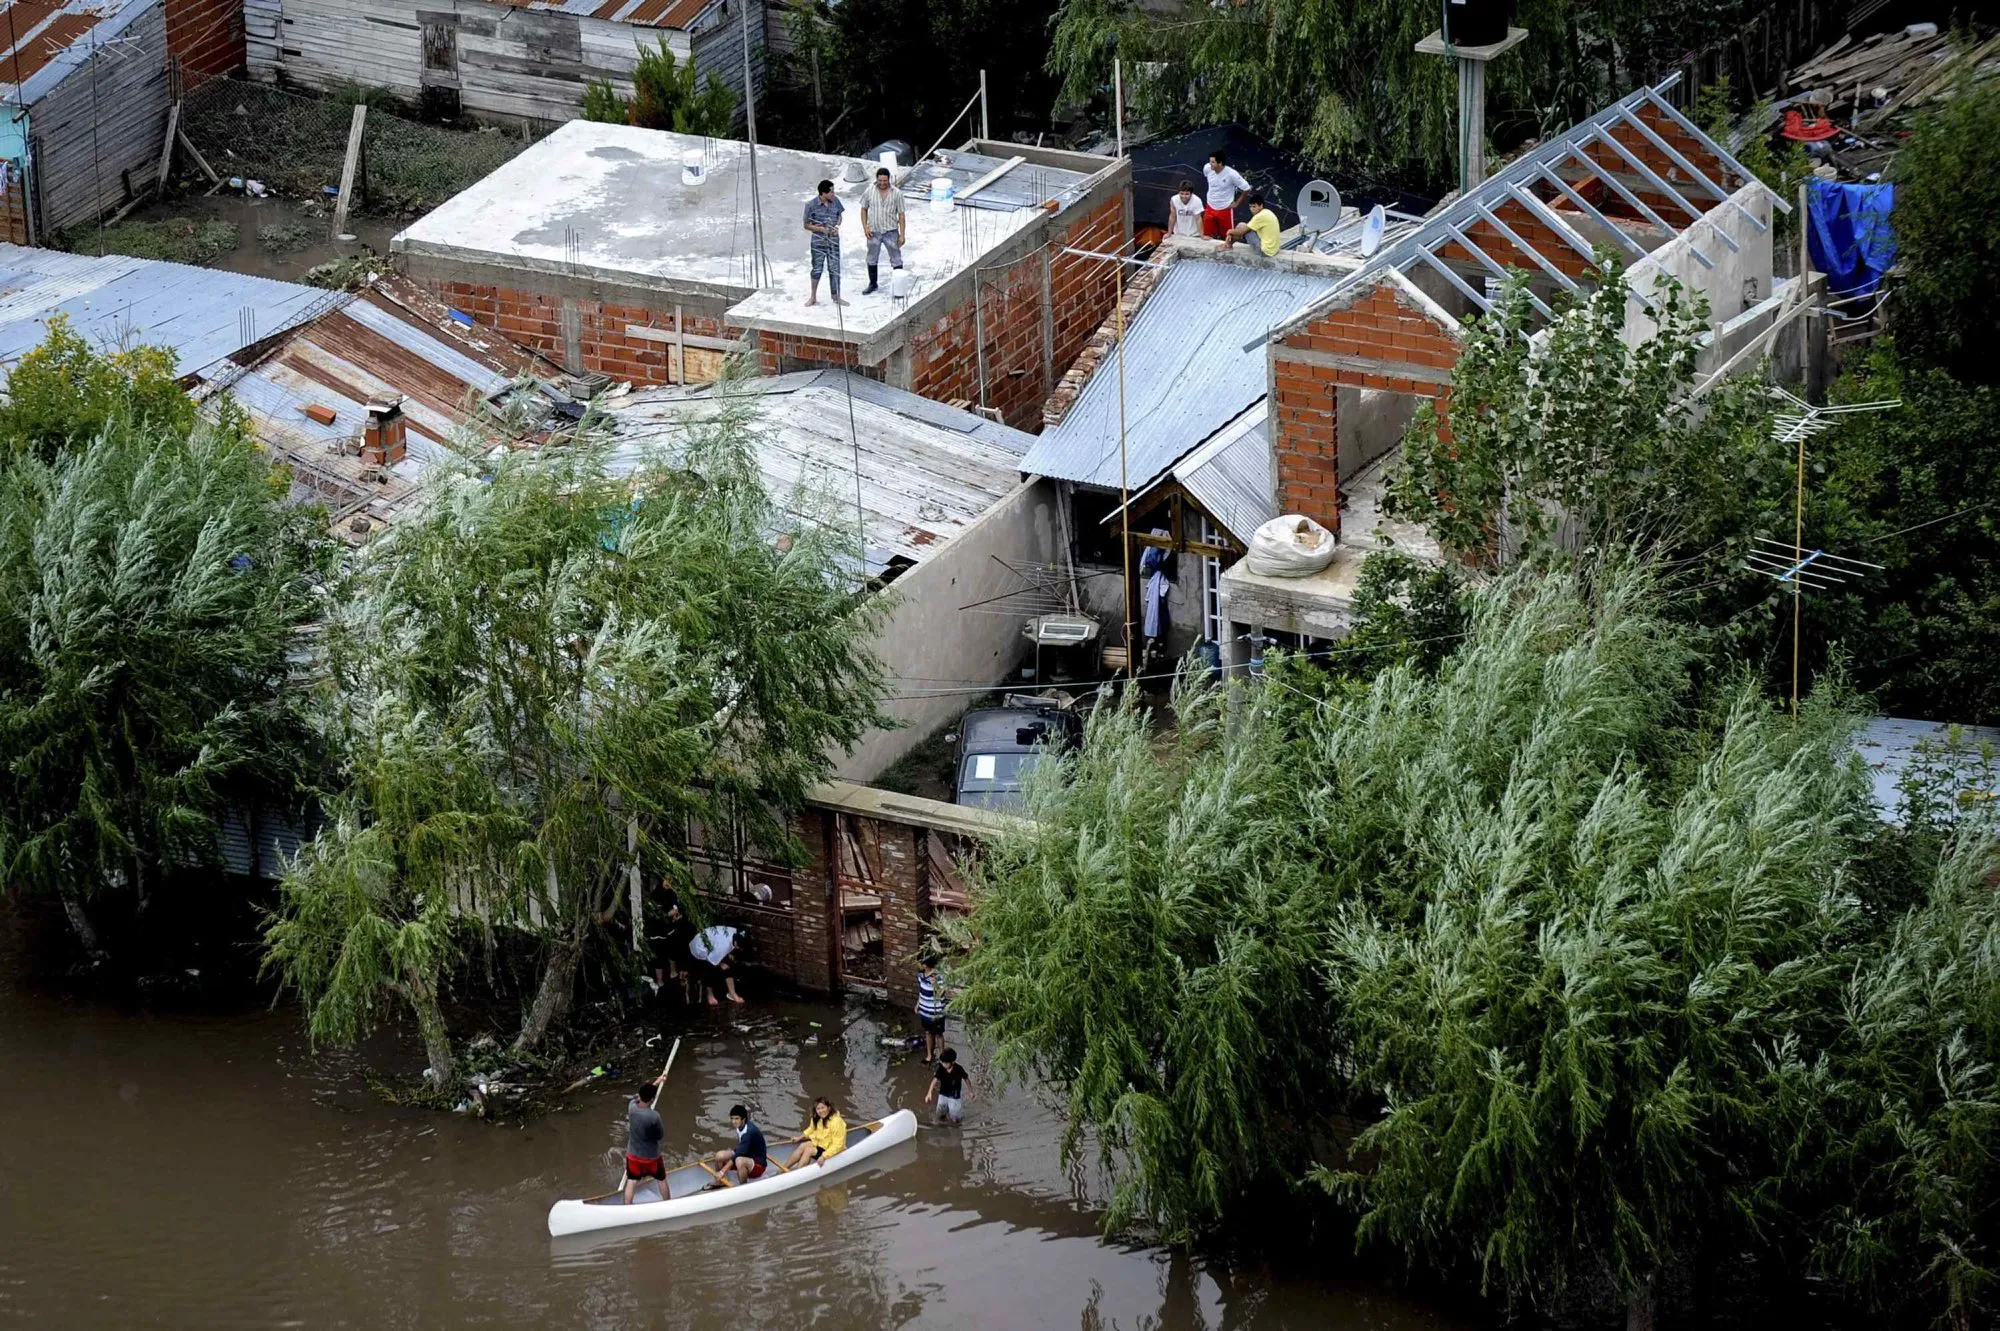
{"x": 1223, "y": 185}
{"x": 1186, "y": 217}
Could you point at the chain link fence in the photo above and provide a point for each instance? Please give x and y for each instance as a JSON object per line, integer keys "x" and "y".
{"x": 296, "y": 145}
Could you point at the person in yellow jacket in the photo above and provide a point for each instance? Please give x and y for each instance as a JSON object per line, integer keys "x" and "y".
{"x": 825, "y": 1136}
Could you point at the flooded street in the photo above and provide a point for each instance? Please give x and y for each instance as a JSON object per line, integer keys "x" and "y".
{"x": 203, "y": 1168}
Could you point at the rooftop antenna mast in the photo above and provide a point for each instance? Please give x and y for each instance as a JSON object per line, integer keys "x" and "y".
{"x": 761, "y": 271}
{"x": 1795, "y": 423}
{"x": 1470, "y": 39}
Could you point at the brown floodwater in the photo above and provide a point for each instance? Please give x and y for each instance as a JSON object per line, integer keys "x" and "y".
{"x": 171, "y": 1164}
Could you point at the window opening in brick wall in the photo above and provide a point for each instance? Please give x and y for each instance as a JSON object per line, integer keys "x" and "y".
{"x": 858, "y": 872}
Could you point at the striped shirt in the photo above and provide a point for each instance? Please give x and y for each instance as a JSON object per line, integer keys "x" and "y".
{"x": 930, "y": 998}
{"x": 882, "y": 210}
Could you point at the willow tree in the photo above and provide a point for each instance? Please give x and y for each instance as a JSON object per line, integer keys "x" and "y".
{"x": 152, "y": 585}
{"x": 540, "y": 676}
{"x": 1341, "y": 82}
{"x": 1550, "y": 926}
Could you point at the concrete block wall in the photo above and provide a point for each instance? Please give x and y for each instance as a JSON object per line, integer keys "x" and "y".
{"x": 207, "y": 37}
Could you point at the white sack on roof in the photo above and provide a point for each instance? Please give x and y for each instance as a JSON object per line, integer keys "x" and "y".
{"x": 1291, "y": 546}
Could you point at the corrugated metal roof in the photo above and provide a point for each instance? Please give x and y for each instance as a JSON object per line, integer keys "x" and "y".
{"x": 1186, "y": 373}
{"x": 1889, "y": 744}
{"x": 1026, "y": 186}
{"x": 47, "y": 39}
{"x": 391, "y": 340}
{"x": 927, "y": 471}
{"x": 1233, "y": 475}
{"x": 202, "y": 315}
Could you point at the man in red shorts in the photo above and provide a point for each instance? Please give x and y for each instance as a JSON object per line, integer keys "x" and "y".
{"x": 643, "y": 1131}
{"x": 1224, "y": 190}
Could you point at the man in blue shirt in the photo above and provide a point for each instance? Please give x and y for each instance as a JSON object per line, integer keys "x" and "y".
{"x": 745, "y": 1160}
{"x": 823, "y": 213}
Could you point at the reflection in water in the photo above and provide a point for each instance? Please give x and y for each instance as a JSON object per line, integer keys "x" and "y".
{"x": 200, "y": 1169}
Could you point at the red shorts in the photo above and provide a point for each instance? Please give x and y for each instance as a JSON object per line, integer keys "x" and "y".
{"x": 635, "y": 1168}
{"x": 1215, "y": 222}
{"x": 755, "y": 1171}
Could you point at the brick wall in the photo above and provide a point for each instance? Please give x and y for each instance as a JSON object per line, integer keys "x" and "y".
{"x": 781, "y": 353}
{"x": 206, "y": 36}
{"x": 535, "y": 320}
{"x": 1382, "y": 339}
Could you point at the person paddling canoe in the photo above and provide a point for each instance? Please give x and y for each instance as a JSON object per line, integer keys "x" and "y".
{"x": 643, "y": 1131}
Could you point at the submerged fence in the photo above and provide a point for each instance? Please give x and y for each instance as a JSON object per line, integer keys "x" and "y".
{"x": 296, "y": 144}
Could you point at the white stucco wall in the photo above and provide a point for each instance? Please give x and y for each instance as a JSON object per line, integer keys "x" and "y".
{"x": 1725, "y": 285}
{"x": 932, "y": 644}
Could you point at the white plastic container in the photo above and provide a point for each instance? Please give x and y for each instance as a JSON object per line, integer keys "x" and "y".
{"x": 899, "y": 284}
{"x": 941, "y": 193}
{"x": 694, "y": 170}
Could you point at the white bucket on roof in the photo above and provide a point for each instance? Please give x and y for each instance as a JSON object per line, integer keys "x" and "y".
{"x": 899, "y": 284}
{"x": 941, "y": 192}
{"x": 694, "y": 169}
{"x": 887, "y": 159}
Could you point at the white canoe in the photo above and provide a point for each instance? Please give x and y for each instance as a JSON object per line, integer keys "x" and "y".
{"x": 688, "y": 1191}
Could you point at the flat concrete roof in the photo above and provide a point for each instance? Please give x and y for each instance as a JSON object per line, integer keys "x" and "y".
{"x": 608, "y": 202}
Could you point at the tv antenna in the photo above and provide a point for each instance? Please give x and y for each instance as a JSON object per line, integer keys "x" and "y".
{"x": 1797, "y": 421}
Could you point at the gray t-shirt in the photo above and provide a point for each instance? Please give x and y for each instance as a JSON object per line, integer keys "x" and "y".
{"x": 643, "y": 1131}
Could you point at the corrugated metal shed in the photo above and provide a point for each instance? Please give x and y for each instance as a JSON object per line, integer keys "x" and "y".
{"x": 200, "y": 314}
{"x": 1233, "y": 475}
{"x": 1890, "y": 744}
{"x": 1026, "y": 186}
{"x": 1187, "y": 373}
{"x": 389, "y": 341}
{"x": 927, "y": 471}
{"x": 260, "y": 842}
{"x": 45, "y": 41}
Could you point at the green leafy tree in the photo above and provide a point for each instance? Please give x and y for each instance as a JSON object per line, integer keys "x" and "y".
{"x": 540, "y": 662}
{"x": 63, "y": 392}
{"x": 667, "y": 94}
{"x": 869, "y": 70}
{"x": 1947, "y": 221}
{"x": 602, "y": 103}
{"x": 1342, "y": 83}
{"x": 1523, "y": 958}
{"x": 153, "y": 583}
{"x": 1579, "y": 442}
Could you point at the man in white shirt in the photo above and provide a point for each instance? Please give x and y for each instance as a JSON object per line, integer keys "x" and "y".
{"x": 1226, "y": 188}
{"x": 1184, "y": 212}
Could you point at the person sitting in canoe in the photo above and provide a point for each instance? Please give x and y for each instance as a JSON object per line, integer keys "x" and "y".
{"x": 824, "y": 1136}
{"x": 747, "y": 1159}
{"x": 643, "y": 1131}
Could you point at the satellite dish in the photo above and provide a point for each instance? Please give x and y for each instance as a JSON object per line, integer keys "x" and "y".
{"x": 1372, "y": 228}
{"x": 1319, "y": 206}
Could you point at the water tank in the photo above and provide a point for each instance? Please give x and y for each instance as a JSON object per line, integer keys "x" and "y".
{"x": 1476, "y": 22}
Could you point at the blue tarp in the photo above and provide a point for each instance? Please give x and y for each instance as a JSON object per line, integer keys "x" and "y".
{"x": 1851, "y": 239}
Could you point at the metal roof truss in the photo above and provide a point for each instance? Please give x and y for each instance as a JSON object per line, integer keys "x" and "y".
{"x": 1545, "y": 164}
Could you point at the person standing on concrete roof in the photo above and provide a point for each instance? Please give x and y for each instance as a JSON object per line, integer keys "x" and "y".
{"x": 884, "y": 223}
{"x": 1184, "y": 212}
{"x": 1226, "y": 189}
{"x": 823, "y": 213}
{"x": 1263, "y": 224}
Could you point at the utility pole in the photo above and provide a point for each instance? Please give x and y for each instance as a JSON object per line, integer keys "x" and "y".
{"x": 1471, "y": 61}
{"x": 762, "y": 261}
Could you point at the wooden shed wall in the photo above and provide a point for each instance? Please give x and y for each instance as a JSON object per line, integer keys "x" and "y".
{"x": 526, "y": 64}
{"x": 77, "y": 180}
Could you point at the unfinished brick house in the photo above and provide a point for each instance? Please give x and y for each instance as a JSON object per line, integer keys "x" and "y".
{"x": 635, "y": 254}
{"x": 1637, "y": 180}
